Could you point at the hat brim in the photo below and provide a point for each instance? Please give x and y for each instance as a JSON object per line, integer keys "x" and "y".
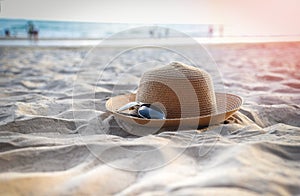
{"x": 227, "y": 104}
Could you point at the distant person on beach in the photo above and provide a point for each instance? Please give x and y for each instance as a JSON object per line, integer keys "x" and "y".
{"x": 151, "y": 32}
{"x": 166, "y": 32}
{"x": 210, "y": 31}
{"x": 33, "y": 33}
{"x": 7, "y": 32}
{"x": 221, "y": 30}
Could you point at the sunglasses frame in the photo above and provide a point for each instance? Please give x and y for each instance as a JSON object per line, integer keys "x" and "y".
{"x": 137, "y": 106}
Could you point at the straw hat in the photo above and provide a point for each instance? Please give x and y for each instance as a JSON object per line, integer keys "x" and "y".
{"x": 186, "y": 95}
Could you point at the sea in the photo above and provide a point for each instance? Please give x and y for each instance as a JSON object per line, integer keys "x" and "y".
{"x": 72, "y": 33}
{"x": 91, "y": 30}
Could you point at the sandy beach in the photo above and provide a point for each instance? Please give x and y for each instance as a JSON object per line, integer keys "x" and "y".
{"x": 56, "y": 137}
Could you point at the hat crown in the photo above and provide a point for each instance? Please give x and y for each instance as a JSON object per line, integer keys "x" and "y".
{"x": 183, "y": 90}
{"x": 176, "y": 70}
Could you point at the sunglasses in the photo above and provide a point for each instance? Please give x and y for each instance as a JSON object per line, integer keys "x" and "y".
{"x": 143, "y": 110}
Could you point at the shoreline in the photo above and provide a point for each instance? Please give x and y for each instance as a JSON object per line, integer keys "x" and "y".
{"x": 69, "y": 42}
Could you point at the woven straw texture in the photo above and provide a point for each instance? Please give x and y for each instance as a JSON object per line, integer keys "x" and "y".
{"x": 184, "y": 91}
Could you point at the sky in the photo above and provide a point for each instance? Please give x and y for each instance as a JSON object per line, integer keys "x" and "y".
{"x": 261, "y": 17}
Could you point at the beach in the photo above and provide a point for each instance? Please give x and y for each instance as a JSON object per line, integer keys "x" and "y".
{"x": 57, "y": 138}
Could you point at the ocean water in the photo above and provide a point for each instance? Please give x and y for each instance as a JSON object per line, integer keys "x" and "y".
{"x": 91, "y": 30}
{"x": 66, "y": 33}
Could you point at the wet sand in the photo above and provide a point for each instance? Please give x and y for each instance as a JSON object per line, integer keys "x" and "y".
{"x": 57, "y": 138}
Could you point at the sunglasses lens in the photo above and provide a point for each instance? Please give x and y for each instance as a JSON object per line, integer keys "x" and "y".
{"x": 151, "y": 112}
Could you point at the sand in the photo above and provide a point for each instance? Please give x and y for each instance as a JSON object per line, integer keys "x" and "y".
{"x": 56, "y": 137}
